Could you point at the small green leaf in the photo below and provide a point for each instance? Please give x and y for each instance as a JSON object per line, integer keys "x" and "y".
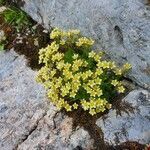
{"x": 1, "y": 47}
{"x": 68, "y": 56}
{"x": 82, "y": 94}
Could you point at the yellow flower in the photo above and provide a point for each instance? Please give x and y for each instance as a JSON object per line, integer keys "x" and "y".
{"x": 92, "y": 54}
{"x": 114, "y": 82}
{"x": 99, "y": 102}
{"x": 53, "y": 47}
{"x": 41, "y": 55}
{"x": 92, "y": 104}
{"x": 74, "y": 32}
{"x": 84, "y": 75}
{"x": 57, "y": 57}
{"x": 93, "y": 93}
{"x": 121, "y": 89}
{"x": 127, "y": 66}
{"x": 99, "y": 64}
{"x": 68, "y": 86}
{"x": 64, "y": 91}
{"x": 88, "y": 89}
{"x": 89, "y": 73}
{"x": 112, "y": 65}
{"x": 97, "y": 57}
{"x": 108, "y": 106}
{"x": 99, "y": 92}
{"x": 105, "y": 64}
{"x": 85, "y": 64}
{"x": 98, "y": 80}
{"x": 62, "y": 42}
{"x": 60, "y": 65}
{"x": 85, "y": 105}
{"x": 55, "y": 33}
{"x": 60, "y": 103}
{"x": 76, "y": 64}
{"x": 84, "y": 41}
{"x": 52, "y": 73}
{"x": 91, "y": 83}
{"x": 68, "y": 74}
{"x": 50, "y": 51}
{"x": 67, "y": 107}
{"x": 67, "y": 66}
{"x": 75, "y": 56}
{"x": 92, "y": 112}
{"x": 75, "y": 106}
{"x": 102, "y": 109}
{"x": 72, "y": 94}
{"x": 76, "y": 77}
{"x": 118, "y": 72}
{"x": 98, "y": 71}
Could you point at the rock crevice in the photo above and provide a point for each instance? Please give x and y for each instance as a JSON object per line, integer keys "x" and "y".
{"x": 121, "y": 28}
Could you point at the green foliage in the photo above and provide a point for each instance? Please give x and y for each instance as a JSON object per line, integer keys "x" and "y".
{"x": 68, "y": 56}
{"x": 16, "y": 17}
{"x": 1, "y": 47}
{"x": 2, "y": 40}
{"x": 2, "y": 2}
{"x": 75, "y": 76}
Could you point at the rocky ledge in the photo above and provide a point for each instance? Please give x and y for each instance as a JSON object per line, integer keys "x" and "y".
{"x": 121, "y": 28}
{"x": 131, "y": 122}
{"x": 27, "y": 118}
{"x": 29, "y": 121}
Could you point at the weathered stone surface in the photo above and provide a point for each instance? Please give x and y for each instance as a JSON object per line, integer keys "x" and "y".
{"x": 60, "y": 137}
{"x": 2, "y": 36}
{"x": 133, "y": 124}
{"x": 122, "y": 28}
{"x": 2, "y": 9}
{"x": 22, "y": 100}
{"x": 27, "y": 120}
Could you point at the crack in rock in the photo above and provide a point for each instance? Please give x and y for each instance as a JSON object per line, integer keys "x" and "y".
{"x": 54, "y": 122}
{"x": 31, "y": 130}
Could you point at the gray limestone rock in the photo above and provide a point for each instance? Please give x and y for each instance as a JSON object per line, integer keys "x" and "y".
{"x": 120, "y": 27}
{"x": 22, "y": 100}
{"x": 132, "y": 124}
{"x": 58, "y": 137}
{"x": 27, "y": 119}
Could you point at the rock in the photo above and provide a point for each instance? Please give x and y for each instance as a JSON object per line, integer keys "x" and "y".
{"x": 61, "y": 137}
{"x": 22, "y": 100}
{"x": 27, "y": 119}
{"x": 121, "y": 28}
{"x": 133, "y": 124}
{"x": 2, "y": 36}
{"x": 2, "y": 8}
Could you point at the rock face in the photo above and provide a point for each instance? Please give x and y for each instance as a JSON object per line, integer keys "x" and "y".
{"x": 27, "y": 119}
{"x": 61, "y": 137}
{"x": 133, "y": 124}
{"x": 122, "y": 28}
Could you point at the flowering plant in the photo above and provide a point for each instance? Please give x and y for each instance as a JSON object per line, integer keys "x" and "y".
{"x": 75, "y": 76}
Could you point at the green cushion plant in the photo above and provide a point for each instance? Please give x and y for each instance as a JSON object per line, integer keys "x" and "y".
{"x": 16, "y": 18}
{"x": 76, "y": 76}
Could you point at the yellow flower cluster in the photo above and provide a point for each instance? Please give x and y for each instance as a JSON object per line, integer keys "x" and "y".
{"x": 56, "y": 33}
{"x": 118, "y": 85}
{"x": 84, "y": 41}
{"x": 73, "y": 84}
{"x": 64, "y": 36}
{"x": 95, "y": 105}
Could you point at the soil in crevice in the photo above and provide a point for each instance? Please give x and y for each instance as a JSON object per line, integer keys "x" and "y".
{"x": 27, "y": 41}
{"x": 83, "y": 119}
